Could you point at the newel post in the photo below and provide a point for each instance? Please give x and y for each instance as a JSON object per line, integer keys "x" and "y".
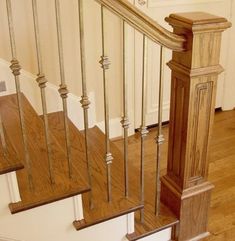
{"x": 185, "y": 188}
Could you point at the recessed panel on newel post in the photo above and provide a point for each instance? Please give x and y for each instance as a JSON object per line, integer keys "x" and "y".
{"x": 185, "y": 188}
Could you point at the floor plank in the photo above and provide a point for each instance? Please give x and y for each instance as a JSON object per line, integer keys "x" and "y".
{"x": 221, "y": 173}
{"x": 166, "y": 218}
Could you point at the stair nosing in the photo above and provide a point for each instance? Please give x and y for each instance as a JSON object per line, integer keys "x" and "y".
{"x": 134, "y": 236}
{"x": 101, "y": 220}
{"x": 26, "y": 207}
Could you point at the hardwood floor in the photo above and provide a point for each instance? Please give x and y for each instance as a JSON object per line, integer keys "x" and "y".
{"x": 102, "y": 210}
{"x": 221, "y": 172}
{"x": 152, "y": 224}
{"x": 222, "y": 175}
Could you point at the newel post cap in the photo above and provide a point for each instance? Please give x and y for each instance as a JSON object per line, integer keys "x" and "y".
{"x": 198, "y": 22}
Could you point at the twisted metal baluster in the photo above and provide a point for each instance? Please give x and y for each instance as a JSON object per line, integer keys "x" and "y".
{"x": 125, "y": 120}
{"x": 159, "y": 138}
{"x": 15, "y": 67}
{"x": 41, "y": 80}
{"x": 85, "y": 99}
{"x": 63, "y": 87}
{"x": 143, "y": 128}
{"x": 105, "y": 63}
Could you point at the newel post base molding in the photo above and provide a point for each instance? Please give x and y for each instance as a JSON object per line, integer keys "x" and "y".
{"x": 185, "y": 188}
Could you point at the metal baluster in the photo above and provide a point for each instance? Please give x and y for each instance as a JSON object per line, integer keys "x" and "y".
{"x": 42, "y": 84}
{"x": 143, "y": 128}
{"x": 63, "y": 87}
{"x": 85, "y": 99}
{"x": 159, "y": 138}
{"x": 125, "y": 119}
{"x": 105, "y": 63}
{"x": 15, "y": 67}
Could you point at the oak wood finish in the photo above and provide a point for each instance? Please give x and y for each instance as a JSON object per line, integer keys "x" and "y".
{"x": 146, "y": 25}
{"x": 43, "y": 191}
{"x": 185, "y": 188}
{"x": 166, "y": 218}
{"x": 221, "y": 173}
{"x": 120, "y": 205}
{"x": 102, "y": 210}
{"x": 9, "y": 161}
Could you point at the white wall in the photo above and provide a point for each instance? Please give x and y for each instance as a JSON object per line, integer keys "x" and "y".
{"x": 229, "y": 85}
{"x": 54, "y": 103}
{"x": 54, "y": 222}
{"x": 26, "y": 53}
{"x": 158, "y": 10}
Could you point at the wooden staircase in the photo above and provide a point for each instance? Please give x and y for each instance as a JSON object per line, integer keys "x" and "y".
{"x": 44, "y": 192}
{"x": 88, "y": 165}
{"x": 152, "y": 223}
{"x": 102, "y": 210}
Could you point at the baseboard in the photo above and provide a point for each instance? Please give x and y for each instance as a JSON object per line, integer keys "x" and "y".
{"x": 7, "y": 239}
{"x": 31, "y": 90}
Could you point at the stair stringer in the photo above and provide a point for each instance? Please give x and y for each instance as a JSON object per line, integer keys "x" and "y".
{"x": 53, "y": 222}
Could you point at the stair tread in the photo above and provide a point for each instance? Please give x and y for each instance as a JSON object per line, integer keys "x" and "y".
{"x": 102, "y": 210}
{"x": 119, "y": 205}
{"x": 152, "y": 223}
{"x": 9, "y": 161}
{"x": 43, "y": 191}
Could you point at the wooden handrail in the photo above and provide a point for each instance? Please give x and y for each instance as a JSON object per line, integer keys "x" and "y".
{"x": 146, "y": 25}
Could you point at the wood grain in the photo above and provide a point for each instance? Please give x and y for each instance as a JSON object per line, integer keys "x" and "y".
{"x": 120, "y": 205}
{"x": 185, "y": 187}
{"x": 221, "y": 174}
{"x": 43, "y": 191}
{"x": 199, "y": 21}
{"x": 102, "y": 210}
{"x": 166, "y": 218}
{"x": 9, "y": 160}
